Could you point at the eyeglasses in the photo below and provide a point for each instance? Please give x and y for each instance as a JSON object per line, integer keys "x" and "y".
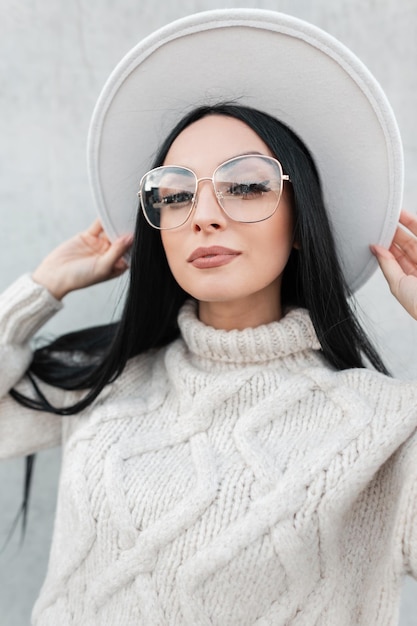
{"x": 248, "y": 188}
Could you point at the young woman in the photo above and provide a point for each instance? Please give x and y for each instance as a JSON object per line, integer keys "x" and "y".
{"x": 227, "y": 456}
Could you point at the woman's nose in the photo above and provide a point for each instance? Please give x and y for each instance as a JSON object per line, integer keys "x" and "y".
{"x": 207, "y": 213}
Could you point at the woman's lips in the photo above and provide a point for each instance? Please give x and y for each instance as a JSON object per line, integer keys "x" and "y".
{"x": 214, "y": 256}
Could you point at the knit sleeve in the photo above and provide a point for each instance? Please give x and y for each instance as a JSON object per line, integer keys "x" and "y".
{"x": 24, "y": 307}
{"x": 409, "y": 532}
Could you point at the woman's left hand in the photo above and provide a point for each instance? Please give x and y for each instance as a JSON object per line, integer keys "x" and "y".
{"x": 399, "y": 263}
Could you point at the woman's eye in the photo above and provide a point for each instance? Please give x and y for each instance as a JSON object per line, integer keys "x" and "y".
{"x": 177, "y": 199}
{"x": 248, "y": 190}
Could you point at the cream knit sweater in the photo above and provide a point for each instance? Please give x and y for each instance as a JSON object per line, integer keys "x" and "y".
{"x": 232, "y": 478}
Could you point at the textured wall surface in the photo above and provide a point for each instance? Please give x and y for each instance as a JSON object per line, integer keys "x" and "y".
{"x": 54, "y": 57}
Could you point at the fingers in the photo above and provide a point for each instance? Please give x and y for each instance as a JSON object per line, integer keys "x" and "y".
{"x": 409, "y": 221}
{"x": 399, "y": 263}
{"x": 112, "y": 260}
{"x": 403, "y": 259}
{"x": 111, "y": 251}
{"x": 389, "y": 266}
{"x": 96, "y": 228}
{"x": 404, "y": 244}
{"x": 404, "y": 247}
{"x": 108, "y": 255}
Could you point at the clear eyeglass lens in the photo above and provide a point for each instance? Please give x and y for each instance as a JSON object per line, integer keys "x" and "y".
{"x": 167, "y": 196}
{"x": 248, "y": 188}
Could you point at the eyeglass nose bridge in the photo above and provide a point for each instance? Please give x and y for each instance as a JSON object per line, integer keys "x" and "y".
{"x": 218, "y": 194}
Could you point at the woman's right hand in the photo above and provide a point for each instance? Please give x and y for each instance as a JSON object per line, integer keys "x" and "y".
{"x": 399, "y": 263}
{"x": 84, "y": 260}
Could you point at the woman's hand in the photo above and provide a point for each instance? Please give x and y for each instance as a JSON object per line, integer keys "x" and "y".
{"x": 84, "y": 260}
{"x": 399, "y": 263}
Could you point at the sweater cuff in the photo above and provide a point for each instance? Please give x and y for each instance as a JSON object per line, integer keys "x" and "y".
{"x": 25, "y": 307}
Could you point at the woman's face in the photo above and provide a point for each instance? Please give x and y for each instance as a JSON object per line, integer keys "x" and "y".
{"x": 240, "y": 286}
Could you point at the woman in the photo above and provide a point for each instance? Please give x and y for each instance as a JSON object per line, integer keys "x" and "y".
{"x": 242, "y": 466}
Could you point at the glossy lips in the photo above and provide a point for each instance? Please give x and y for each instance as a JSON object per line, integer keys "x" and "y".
{"x": 214, "y": 256}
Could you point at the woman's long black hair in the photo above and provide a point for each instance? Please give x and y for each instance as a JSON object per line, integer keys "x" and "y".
{"x": 312, "y": 279}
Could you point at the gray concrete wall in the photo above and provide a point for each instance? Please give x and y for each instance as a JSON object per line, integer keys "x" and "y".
{"x": 54, "y": 57}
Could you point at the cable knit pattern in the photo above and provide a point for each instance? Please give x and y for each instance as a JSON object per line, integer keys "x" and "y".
{"x": 229, "y": 479}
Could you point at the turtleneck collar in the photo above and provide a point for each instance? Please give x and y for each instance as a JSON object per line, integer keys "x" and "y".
{"x": 293, "y": 334}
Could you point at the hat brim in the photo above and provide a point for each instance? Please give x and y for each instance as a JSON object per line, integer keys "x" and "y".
{"x": 275, "y": 63}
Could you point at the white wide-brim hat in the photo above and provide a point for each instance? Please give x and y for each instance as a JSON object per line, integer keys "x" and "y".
{"x": 278, "y": 64}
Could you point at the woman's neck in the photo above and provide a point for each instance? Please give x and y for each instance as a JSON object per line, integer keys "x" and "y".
{"x": 239, "y": 314}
